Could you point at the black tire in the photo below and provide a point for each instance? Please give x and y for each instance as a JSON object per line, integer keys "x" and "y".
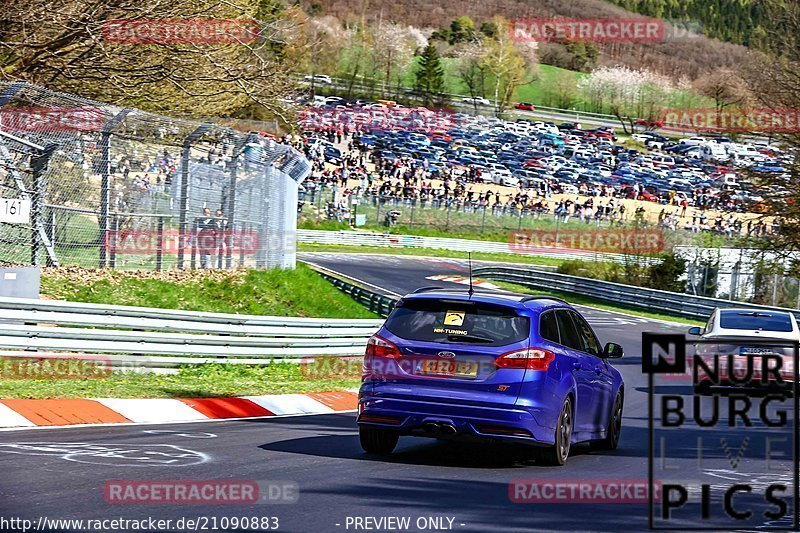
{"x": 557, "y": 454}
{"x": 378, "y": 441}
{"x": 614, "y": 426}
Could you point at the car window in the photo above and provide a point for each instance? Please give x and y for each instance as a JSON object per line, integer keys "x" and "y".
{"x": 710, "y": 324}
{"x": 457, "y": 322}
{"x": 755, "y": 320}
{"x": 548, "y": 328}
{"x": 566, "y": 328}
{"x": 589, "y": 342}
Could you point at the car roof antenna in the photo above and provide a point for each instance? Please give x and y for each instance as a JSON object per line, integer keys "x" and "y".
{"x": 469, "y": 258}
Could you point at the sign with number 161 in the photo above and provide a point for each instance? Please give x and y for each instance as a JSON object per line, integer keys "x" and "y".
{"x": 15, "y": 211}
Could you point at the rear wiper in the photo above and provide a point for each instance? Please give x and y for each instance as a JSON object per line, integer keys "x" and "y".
{"x": 468, "y": 338}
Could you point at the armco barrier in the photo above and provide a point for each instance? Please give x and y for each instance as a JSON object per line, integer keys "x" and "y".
{"x": 379, "y": 304}
{"x": 685, "y": 305}
{"x": 365, "y": 238}
{"x": 141, "y": 337}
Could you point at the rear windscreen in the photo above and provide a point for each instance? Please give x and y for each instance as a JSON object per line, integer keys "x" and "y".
{"x": 755, "y": 320}
{"x": 454, "y": 322}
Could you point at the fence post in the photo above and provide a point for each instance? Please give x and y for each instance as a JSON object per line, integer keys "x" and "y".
{"x": 183, "y": 202}
{"x": 194, "y": 244}
{"x": 231, "y": 207}
{"x": 38, "y": 166}
{"x": 112, "y": 260}
{"x": 105, "y": 180}
{"x": 160, "y": 244}
{"x": 52, "y": 234}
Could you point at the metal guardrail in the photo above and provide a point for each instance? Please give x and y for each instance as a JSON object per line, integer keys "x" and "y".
{"x": 364, "y": 238}
{"x": 684, "y": 305}
{"x": 139, "y": 337}
{"x": 379, "y": 304}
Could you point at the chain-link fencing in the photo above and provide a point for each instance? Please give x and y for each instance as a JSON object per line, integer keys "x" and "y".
{"x": 122, "y": 188}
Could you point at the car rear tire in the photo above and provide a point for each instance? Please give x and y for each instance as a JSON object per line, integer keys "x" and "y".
{"x": 614, "y": 427}
{"x": 378, "y": 441}
{"x": 557, "y": 454}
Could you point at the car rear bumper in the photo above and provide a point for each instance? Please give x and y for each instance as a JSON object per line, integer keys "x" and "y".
{"x": 434, "y": 418}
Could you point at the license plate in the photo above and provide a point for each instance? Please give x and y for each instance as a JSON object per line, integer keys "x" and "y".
{"x": 456, "y": 369}
{"x": 754, "y": 350}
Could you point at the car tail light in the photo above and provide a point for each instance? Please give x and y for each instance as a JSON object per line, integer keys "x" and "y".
{"x": 380, "y": 419}
{"x": 380, "y": 347}
{"x": 529, "y": 358}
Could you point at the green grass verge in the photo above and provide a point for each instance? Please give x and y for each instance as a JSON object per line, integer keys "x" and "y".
{"x": 585, "y": 300}
{"x": 430, "y": 252}
{"x": 210, "y": 380}
{"x": 299, "y": 292}
{"x": 256, "y": 292}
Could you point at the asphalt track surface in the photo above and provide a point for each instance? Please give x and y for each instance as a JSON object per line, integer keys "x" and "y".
{"x": 61, "y": 473}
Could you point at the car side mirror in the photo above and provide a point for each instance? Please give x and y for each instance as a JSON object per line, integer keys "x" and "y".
{"x": 696, "y": 330}
{"x": 612, "y": 350}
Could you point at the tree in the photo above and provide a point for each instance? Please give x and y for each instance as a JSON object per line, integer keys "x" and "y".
{"x": 392, "y": 51}
{"x": 471, "y": 68}
{"x": 429, "y": 77}
{"x": 725, "y": 87}
{"x": 489, "y": 29}
{"x": 355, "y": 58}
{"x": 506, "y": 64}
{"x": 562, "y": 90}
{"x": 462, "y": 29}
{"x": 66, "y": 46}
{"x": 626, "y": 93}
{"x": 314, "y": 45}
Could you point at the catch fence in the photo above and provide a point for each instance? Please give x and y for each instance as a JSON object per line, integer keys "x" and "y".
{"x": 118, "y": 187}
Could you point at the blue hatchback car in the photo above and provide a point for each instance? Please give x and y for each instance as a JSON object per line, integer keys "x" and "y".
{"x": 489, "y": 366}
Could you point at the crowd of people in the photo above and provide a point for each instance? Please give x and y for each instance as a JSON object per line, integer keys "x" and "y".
{"x": 398, "y": 182}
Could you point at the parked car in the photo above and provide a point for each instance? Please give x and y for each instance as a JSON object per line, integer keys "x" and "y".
{"x": 318, "y": 78}
{"x": 489, "y": 366}
{"x": 477, "y": 100}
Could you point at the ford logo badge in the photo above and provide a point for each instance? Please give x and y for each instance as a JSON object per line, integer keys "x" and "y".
{"x": 446, "y": 355}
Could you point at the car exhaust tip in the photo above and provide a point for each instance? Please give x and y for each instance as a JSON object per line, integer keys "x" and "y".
{"x": 448, "y": 429}
{"x": 431, "y": 427}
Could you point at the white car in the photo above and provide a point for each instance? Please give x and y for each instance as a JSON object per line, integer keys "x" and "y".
{"x": 476, "y": 101}
{"x": 737, "y": 336}
{"x": 318, "y": 78}
{"x": 696, "y": 141}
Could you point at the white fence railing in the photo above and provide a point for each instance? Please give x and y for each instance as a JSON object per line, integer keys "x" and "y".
{"x": 140, "y": 337}
{"x": 364, "y": 238}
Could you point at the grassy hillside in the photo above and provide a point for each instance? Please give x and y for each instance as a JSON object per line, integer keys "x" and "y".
{"x": 256, "y": 292}
{"x": 688, "y": 56}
